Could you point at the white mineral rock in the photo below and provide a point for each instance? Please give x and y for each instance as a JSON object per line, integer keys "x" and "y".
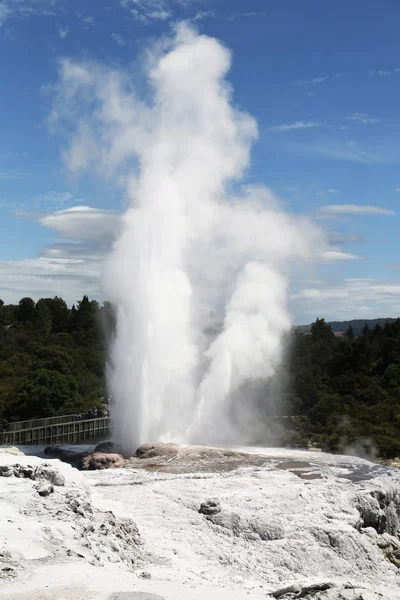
{"x": 282, "y": 525}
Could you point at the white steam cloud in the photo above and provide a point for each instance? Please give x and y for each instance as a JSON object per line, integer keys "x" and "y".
{"x": 192, "y": 252}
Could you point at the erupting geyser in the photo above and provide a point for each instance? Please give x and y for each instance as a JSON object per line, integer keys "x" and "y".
{"x": 193, "y": 250}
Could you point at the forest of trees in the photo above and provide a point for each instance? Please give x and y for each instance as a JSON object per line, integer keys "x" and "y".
{"x": 52, "y": 358}
{"x": 347, "y": 389}
{"x": 343, "y": 391}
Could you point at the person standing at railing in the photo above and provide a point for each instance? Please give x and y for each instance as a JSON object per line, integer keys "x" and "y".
{"x": 4, "y": 424}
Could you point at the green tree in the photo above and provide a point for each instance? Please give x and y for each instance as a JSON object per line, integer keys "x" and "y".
{"x": 321, "y": 331}
{"x": 43, "y": 320}
{"x": 349, "y": 334}
{"x": 26, "y": 310}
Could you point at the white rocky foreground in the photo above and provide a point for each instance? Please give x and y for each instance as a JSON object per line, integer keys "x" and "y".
{"x": 272, "y": 524}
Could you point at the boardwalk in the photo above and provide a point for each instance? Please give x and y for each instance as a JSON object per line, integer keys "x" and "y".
{"x": 67, "y": 429}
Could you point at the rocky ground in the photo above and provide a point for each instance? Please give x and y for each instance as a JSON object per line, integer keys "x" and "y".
{"x": 190, "y": 523}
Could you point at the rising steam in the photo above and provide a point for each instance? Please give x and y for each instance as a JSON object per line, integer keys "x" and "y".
{"x": 195, "y": 250}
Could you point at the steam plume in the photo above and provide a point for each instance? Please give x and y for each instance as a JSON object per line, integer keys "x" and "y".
{"x": 192, "y": 252}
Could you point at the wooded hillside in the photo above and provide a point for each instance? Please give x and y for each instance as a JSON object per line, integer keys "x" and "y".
{"x": 344, "y": 391}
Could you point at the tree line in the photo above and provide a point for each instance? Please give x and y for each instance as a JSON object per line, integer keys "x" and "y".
{"x": 342, "y": 391}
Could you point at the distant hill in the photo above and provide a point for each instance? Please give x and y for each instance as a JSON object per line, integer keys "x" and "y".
{"x": 339, "y": 327}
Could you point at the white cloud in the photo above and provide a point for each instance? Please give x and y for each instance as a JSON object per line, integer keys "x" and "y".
{"x": 83, "y": 223}
{"x": 292, "y": 126}
{"x": 44, "y": 277}
{"x": 363, "y": 118}
{"x": 354, "y": 209}
{"x": 67, "y": 268}
{"x": 336, "y": 255}
{"x": 349, "y": 299}
{"x": 121, "y": 41}
{"x": 63, "y": 32}
{"x": 333, "y": 191}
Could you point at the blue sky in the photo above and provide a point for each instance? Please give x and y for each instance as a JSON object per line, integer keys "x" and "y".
{"x": 322, "y": 79}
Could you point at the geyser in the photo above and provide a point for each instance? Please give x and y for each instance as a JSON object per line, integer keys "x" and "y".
{"x": 195, "y": 248}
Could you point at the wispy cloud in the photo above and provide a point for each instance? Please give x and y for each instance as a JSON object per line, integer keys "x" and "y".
{"x": 239, "y": 15}
{"x": 63, "y": 32}
{"x": 292, "y": 126}
{"x": 55, "y": 198}
{"x": 385, "y": 72}
{"x": 333, "y": 191}
{"x": 119, "y": 39}
{"x": 203, "y": 14}
{"x": 12, "y": 174}
{"x": 345, "y": 238}
{"x": 312, "y": 81}
{"x": 87, "y": 20}
{"x": 4, "y": 13}
{"x": 10, "y": 9}
{"x": 32, "y": 206}
{"x": 148, "y": 10}
{"x": 362, "y": 118}
{"x": 351, "y": 152}
{"x": 320, "y": 79}
{"x": 354, "y": 209}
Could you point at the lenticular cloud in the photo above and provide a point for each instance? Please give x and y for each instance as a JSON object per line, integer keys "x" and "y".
{"x": 197, "y": 252}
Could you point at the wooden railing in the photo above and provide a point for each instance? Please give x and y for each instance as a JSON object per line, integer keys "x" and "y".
{"x": 33, "y": 423}
{"x": 63, "y": 431}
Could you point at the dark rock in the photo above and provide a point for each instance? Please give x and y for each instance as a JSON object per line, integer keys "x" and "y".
{"x": 211, "y": 506}
{"x": 16, "y": 471}
{"x": 145, "y": 575}
{"x": 68, "y": 456}
{"x": 109, "y": 447}
{"x": 27, "y": 472}
{"x": 6, "y": 471}
{"x": 101, "y": 460}
{"x": 157, "y": 449}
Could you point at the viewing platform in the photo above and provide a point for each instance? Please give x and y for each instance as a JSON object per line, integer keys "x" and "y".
{"x": 68, "y": 429}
